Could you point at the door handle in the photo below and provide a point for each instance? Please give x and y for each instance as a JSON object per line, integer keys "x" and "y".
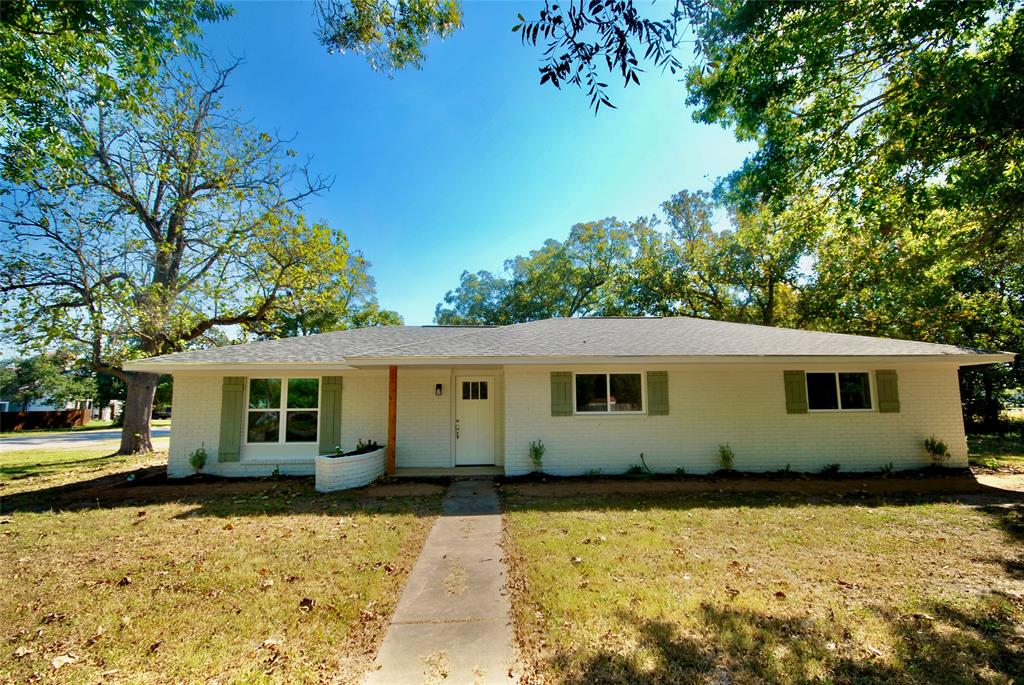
{"x": 456, "y": 429}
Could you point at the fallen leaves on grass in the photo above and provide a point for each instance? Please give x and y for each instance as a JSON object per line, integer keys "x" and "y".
{"x": 306, "y": 604}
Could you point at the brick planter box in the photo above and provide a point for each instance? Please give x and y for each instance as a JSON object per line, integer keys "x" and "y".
{"x": 344, "y": 473}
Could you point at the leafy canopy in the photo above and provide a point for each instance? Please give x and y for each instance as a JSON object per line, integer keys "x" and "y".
{"x": 53, "y": 378}
{"x": 392, "y": 34}
{"x": 49, "y": 50}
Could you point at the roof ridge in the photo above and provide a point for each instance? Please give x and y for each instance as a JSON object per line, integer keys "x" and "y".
{"x": 476, "y": 329}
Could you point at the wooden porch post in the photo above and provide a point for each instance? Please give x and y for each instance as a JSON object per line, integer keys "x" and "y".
{"x": 392, "y": 416}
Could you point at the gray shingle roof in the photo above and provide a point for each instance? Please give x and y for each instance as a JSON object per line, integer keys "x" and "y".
{"x": 332, "y": 347}
{"x": 587, "y": 337}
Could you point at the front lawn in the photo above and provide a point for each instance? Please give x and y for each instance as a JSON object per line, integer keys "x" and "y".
{"x": 759, "y": 588}
{"x": 113, "y": 574}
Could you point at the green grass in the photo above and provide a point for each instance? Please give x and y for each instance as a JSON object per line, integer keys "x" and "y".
{"x": 996, "y": 452}
{"x": 35, "y": 466}
{"x": 163, "y": 582}
{"x": 765, "y": 589}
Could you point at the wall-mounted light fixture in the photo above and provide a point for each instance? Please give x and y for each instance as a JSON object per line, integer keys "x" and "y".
{"x": 437, "y": 389}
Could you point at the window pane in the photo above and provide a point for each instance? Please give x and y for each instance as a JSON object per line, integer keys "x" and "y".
{"x": 626, "y": 392}
{"x": 855, "y": 391}
{"x": 264, "y": 426}
{"x": 821, "y": 391}
{"x": 264, "y": 393}
{"x": 474, "y": 390}
{"x": 483, "y": 390}
{"x": 300, "y": 427}
{"x": 591, "y": 392}
{"x": 465, "y": 390}
{"x": 303, "y": 393}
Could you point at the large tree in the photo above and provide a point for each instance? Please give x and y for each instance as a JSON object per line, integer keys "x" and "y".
{"x": 50, "y": 49}
{"x": 173, "y": 225}
{"x": 746, "y": 271}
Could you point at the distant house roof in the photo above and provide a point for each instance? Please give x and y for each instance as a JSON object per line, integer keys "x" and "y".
{"x": 594, "y": 339}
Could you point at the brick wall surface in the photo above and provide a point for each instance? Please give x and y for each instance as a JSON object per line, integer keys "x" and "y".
{"x": 743, "y": 405}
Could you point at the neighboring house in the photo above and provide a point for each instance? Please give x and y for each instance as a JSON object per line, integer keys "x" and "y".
{"x": 597, "y": 391}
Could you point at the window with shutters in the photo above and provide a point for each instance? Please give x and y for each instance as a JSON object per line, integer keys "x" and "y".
{"x": 605, "y": 393}
{"x": 282, "y": 410}
{"x": 837, "y": 391}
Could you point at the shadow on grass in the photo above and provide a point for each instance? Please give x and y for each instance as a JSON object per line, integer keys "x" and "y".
{"x": 29, "y": 469}
{"x": 214, "y": 496}
{"x": 951, "y": 646}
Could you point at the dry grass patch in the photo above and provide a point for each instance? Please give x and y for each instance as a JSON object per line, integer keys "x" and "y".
{"x": 747, "y": 588}
{"x": 149, "y": 581}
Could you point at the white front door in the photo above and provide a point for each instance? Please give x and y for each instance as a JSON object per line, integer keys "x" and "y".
{"x": 474, "y": 420}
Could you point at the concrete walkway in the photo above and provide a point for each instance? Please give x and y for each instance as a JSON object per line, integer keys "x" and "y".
{"x": 452, "y": 623}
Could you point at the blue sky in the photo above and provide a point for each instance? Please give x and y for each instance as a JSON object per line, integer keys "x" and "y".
{"x": 468, "y": 161}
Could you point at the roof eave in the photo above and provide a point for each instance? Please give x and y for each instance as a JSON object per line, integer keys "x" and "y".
{"x": 965, "y": 359}
{"x": 148, "y": 366}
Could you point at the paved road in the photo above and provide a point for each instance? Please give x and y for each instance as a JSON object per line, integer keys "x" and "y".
{"x": 76, "y": 440}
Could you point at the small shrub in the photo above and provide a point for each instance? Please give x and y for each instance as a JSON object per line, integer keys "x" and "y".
{"x": 590, "y": 473}
{"x": 680, "y": 471}
{"x": 537, "y": 455}
{"x": 726, "y": 457}
{"x": 198, "y": 459}
{"x": 635, "y": 470}
{"x": 887, "y": 469}
{"x": 831, "y": 469}
{"x": 276, "y": 472}
{"x": 991, "y": 464}
{"x": 938, "y": 451}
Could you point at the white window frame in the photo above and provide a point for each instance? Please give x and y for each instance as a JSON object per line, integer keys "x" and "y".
{"x": 282, "y": 410}
{"x": 839, "y": 396}
{"x": 608, "y": 375}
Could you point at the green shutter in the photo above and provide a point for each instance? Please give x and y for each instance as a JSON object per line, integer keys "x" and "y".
{"x": 657, "y": 393}
{"x": 796, "y": 392}
{"x": 330, "y": 414}
{"x": 561, "y": 393}
{"x": 230, "y": 448}
{"x": 888, "y": 391}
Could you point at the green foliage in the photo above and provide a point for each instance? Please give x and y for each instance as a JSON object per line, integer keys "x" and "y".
{"x": 830, "y": 469}
{"x": 680, "y": 471}
{"x": 49, "y": 50}
{"x": 177, "y": 224}
{"x": 894, "y": 126}
{"x": 50, "y": 378}
{"x": 197, "y": 460}
{"x": 748, "y": 272}
{"x": 937, "y": 450}
{"x": 887, "y": 469}
{"x": 392, "y": 34}
{"x": 726, "y": 457}
{"x": 537, "y": 455}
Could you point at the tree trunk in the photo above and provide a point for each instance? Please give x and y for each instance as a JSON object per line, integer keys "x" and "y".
{"x": 138, "y": 410}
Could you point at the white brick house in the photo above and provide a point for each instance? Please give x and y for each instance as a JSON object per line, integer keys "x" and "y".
{"x": 597, "y": 392}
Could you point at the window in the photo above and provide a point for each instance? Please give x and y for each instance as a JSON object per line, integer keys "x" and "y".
{"x": 609, "y": 392}
{"x": 474, "y": 390}
{"x": 282, "y": 410}
{"x": 838, "y": 391}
